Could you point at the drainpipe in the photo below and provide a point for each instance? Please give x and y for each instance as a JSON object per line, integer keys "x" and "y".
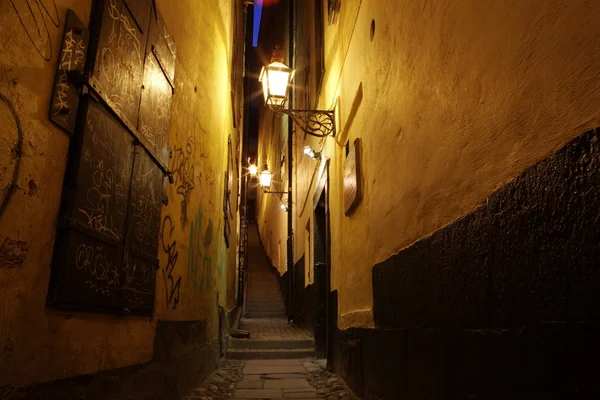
{"x": 290, "y": 244}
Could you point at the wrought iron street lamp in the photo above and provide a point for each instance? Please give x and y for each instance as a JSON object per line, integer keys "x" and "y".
{"x": 265, "y": 178}
{"x": 265, "y": 181}
{"x": 276, "y": 79}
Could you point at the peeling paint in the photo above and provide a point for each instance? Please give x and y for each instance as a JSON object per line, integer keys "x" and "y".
{"x": 12, "y": 253}
{"x": 33, "y": 189}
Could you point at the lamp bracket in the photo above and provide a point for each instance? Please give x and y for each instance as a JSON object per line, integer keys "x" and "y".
{"x": 319, "y": 123}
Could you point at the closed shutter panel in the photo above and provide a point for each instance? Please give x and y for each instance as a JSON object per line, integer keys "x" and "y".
{"x": 106, "y": 251}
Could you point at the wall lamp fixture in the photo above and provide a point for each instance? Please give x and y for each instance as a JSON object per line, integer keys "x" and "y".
{"x": 265, "y": 181}
{"x": 276, "y": 79}
{"x": 315, "y": 155}
{"x": 265, "y": 184}
{"x": 252, "y": 170}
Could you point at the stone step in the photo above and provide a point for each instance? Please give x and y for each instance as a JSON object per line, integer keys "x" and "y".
{"x": 260, "y": 310}
{"x": 257, "y": 314}
{"x": 264, "y": 293}
{"x": 265, "y": 304}
{"x": 269, "y": 354}
{"x": 254, "y": 344}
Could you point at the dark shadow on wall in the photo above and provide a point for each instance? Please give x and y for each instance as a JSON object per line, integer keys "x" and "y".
{"x": 501, "y": 304}
{"x": 182, "y": 360}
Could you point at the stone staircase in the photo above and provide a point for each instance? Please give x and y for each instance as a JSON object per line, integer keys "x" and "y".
{"x": 264, "y": 295}
{"x": 271, "y": 336}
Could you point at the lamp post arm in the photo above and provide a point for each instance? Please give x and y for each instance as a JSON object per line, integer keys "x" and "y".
{"x": 319, "y": 123}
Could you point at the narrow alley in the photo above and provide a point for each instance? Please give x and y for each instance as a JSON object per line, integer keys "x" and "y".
{"x": 299, "y": 199}
{"x": 277, "y": 360}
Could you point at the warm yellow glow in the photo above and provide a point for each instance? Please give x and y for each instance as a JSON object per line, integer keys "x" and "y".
{"x": 252, "y": 169}
{"x": 311, "y": 153}
{"x": 263, "y": 78}
{"x": 278, "y": 82}
{"x": 275, "y": 79}
{"x": 265, "y": 179}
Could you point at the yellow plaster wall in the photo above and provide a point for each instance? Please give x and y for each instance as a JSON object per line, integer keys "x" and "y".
{"x": 38, "y": 345}
{"x": 272, "y": 220}
{"x": 200, "y": 125}
{"x": 456, "y": 99}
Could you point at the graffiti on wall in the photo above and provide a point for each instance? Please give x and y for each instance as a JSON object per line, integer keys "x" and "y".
{"x": 35, "y": 17}
{"x": 210, "y": 180}
{"x": 199, "y": 257}
{"x": 221, "y": 260}
{"x": 182, "y": 169}
{"x": 171, "y": 277}
{"x": 12, "y": 161}
{"x": 207, "y": 254}
{"x": 103, "y": 273}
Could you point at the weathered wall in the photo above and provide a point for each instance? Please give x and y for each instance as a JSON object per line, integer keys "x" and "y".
{"x": 502, "y": 303}
{"x": 192, "y": 238}
{"x": 451, "y": 100}
{"x": 38, "y": 344}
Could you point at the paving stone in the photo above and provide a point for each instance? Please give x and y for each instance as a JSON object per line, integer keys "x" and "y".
{"x": 313, "y": 369}
{"x": 274, "y": 362}
{"x": 297, "y": 379}
{"x": 300, "y": 395}
{"x": 287, "y": 383}
{"x": 257, "y": 394}
{"x": 272, "y": 369}
{"x": 219, "y": 385}
{"x": 329, "y": 386}
{"x": 308, "y": 389}
{"x": 284, "y": 376}
{"x": 249, "y": 384}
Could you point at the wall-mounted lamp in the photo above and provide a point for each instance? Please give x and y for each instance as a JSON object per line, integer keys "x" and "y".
{"x": 283, "y": 207}
{"x": 315, "y": 155}
{"x": 252, "y": 170}
{"x": 276, "y": 78}
{"x": 265, "y": 180}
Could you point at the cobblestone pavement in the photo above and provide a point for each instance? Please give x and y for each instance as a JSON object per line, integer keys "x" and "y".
{"x": 272, "y": 328}
{"x": 220, "y": 384}
{"x": 272, "y": 379}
